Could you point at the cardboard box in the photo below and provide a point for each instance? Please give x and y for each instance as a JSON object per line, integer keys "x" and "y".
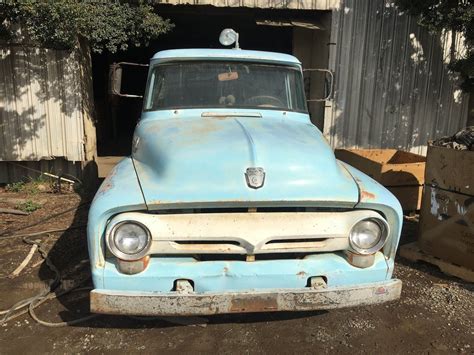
{"x": 447, "y": 226}
{"x": 409, "y": 196}
{"x": 401, "y": 172}
{"x": 450, "y": 169}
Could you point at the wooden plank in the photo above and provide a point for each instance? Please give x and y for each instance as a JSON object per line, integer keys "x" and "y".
{"x": 88, "y": 112}
{"x": 412, "y": 252}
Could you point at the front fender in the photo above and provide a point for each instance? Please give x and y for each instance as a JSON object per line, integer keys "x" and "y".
{"x": 375, "y": 196}
{"x": 119, "y": 192}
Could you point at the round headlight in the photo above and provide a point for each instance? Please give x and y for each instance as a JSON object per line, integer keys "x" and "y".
{"x": 129, "y": 240}
{"x": 368, "y": 236}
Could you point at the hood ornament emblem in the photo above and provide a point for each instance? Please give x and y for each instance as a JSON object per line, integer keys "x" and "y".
{"x": 255, "y": 177}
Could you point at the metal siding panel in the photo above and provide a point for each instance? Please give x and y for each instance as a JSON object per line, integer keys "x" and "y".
{"x": 54, "y": 113}
{"x": 333, "y": 48}
{"x": 372, "y": 73}
{"x": 417, "y": 76}
{"x": 365, "y": 76}
{"x": 26, "y": 112}
{"x": 344, "y": 64}
{"x": 408, "y": 95}
{"x": 396, "y": 122}
{"x": 392, "y": 88}
{"x": 37, "y": 90}
{"x": 335, "y": 127}
{"x": 63, "y": 110}
{"x": 425, "y": 105}
{"x": 383, "y": 127}
{"x": 4, "y": 119}
{"x": 40, "y": 104}
{"x": 436, "y": 79}
{"x": 356, "y": 87}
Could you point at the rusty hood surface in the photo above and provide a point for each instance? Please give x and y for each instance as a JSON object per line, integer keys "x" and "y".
{"x": 185, "y": 160}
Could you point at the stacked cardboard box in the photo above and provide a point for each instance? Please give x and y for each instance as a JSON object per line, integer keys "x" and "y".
{"x": 401, "y": 172}
{"x": 447, "y": 213}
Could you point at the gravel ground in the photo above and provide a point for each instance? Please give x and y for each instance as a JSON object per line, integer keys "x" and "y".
{"x": 434, "y": 315}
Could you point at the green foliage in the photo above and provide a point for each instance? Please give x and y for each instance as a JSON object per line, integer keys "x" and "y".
{"x": 15, "y": 186}
{"x": 28, "y": 206}
{"x": 451, "y": 15}
{"x": 107, "y": 25}
{"x": 29, "y": 185}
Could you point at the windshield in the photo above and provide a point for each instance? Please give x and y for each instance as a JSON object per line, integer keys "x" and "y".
{"x": 224, "y": 85}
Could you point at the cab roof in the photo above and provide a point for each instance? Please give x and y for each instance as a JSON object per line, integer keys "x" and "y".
{"x": 227, "y": 54}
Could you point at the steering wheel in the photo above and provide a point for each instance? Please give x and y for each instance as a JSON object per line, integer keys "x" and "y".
{"x": 264, "y": 100}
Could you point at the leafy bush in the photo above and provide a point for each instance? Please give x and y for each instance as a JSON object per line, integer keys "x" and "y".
{"x": 107, "y": 25}
{"x": 451, "y": 15}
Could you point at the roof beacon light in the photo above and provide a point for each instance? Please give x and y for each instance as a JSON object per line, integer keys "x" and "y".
{"x": 228, "y": 37}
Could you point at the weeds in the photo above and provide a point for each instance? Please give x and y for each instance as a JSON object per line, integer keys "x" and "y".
{"x": 28, "y": 206}
{"x": 31, "y": 186}
{"x": 15, "y": 186}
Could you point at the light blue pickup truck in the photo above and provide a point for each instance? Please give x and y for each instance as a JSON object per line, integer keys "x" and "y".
{"x": 232, "y": 201}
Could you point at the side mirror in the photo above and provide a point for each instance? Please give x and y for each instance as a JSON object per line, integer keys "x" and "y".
{"x": 328, "y": 83}
{"x": 116, "y": 76}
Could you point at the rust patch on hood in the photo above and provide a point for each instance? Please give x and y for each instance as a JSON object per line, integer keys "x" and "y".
{"x": 366, "y": 195}
{"x": 301, "y": 274}
{"x": 108, "y": 182}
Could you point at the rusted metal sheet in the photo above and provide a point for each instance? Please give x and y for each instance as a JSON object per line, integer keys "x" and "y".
{"x": 41, "y": 104}
{"x": 16, "y": 171}
{"x": 393, "y": 88}
{"x": 263, "y": 4}
{"x": 182, "y": 304}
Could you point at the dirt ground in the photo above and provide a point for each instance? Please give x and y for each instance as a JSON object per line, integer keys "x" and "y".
{"x": 434, "y": 315}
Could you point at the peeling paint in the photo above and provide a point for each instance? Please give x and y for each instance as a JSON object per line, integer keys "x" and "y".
{"x": 366, "y": 195}
{"x": 301, "y": 274}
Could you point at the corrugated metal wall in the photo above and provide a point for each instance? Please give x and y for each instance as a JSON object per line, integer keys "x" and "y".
{"x": 392, "y": 85}
{"x": 41, "y": 114}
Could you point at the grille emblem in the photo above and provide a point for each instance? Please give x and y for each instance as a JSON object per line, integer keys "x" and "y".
{"x": 255, "y": 177}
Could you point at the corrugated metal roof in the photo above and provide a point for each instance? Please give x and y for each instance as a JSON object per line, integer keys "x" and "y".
{"x": 40, "y": 104}
{"x": 393, "y": 88}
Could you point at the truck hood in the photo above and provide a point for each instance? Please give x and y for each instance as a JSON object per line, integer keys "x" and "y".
{"x": 201, "y": 162}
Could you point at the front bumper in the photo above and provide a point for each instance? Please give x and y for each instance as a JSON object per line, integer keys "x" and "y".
{"x": 184, "y": 304}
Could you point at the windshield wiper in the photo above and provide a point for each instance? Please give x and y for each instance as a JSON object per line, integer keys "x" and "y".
{"x": 231, "y": 114}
